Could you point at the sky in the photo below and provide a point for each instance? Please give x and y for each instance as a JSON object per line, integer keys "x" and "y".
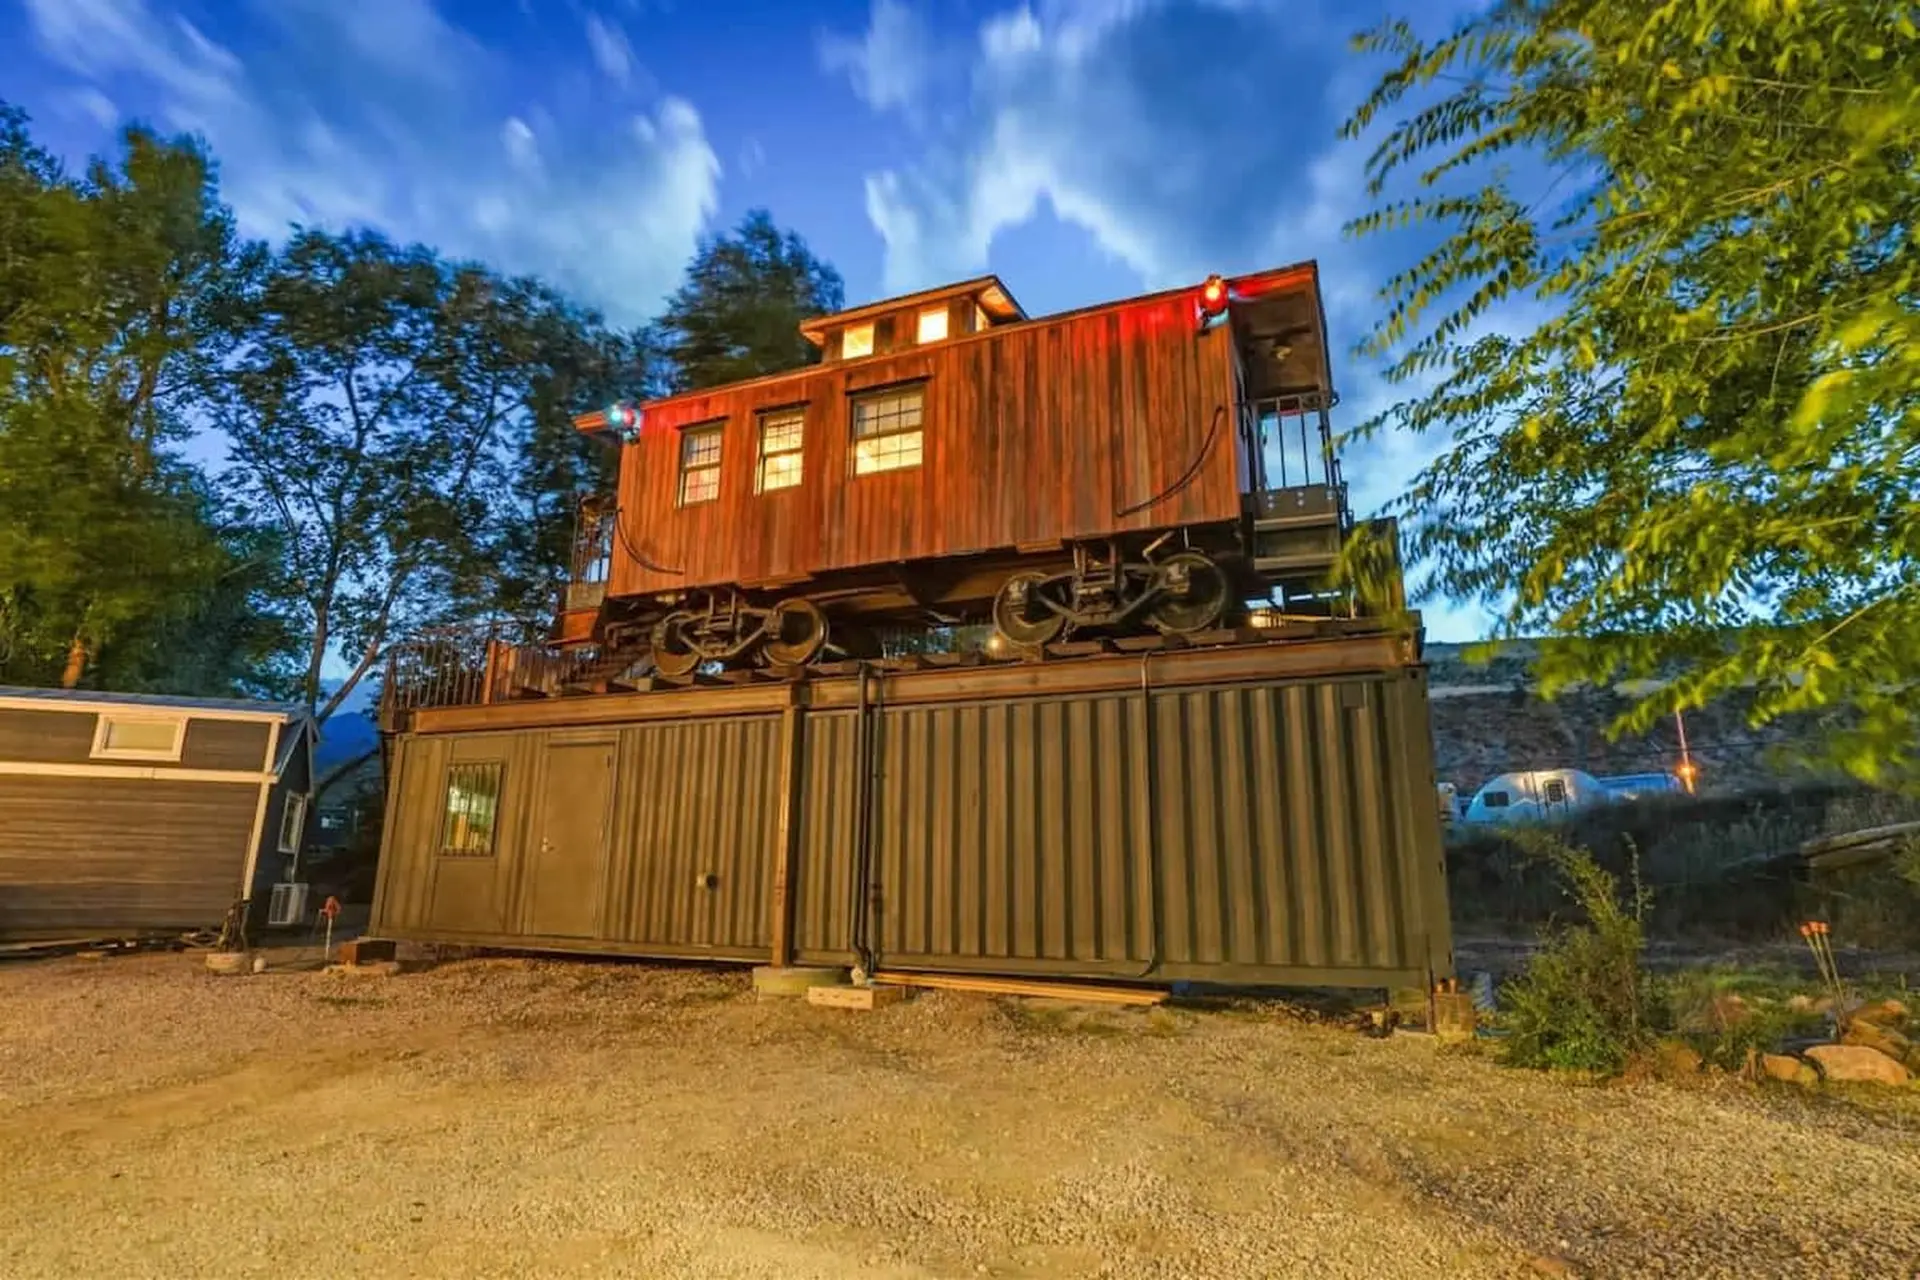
{"x": 1082, "y": 150}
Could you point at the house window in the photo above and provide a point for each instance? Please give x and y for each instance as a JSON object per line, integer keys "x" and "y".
{"x": 933, "y": 325}
{"x": 293, "y": 823}
{"x": 781, "y": 434}
{"x": 136, "y": 737}
{"x": 886, "y": 430}
{"x": 699, "y": 464}
{"x": 856, "y": 341}
{"x": 473, "y": 804}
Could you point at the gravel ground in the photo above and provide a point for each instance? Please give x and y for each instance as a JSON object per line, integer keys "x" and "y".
{"x": 515, "y": 1118}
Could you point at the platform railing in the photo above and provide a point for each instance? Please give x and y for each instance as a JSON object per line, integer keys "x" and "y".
{"x": 591, "y": 561}
{"x": 476, "y": 664}
{"x": 1292, "y": 439}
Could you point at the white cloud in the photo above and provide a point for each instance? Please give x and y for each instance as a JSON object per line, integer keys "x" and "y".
{"x": 611, "y": 52}
{"x": 1183, "y": 136}
{"x": 753, "y": 157}
{"x": 891, "y": 64}
{"x": 378, "y": 113}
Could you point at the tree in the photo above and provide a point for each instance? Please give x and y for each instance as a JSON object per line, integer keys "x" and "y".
{"x": 738, "y": 313}
{"x": 105, "y": 286}
{"x": 1703, "y": 466}
{"x": 376, "y": 400}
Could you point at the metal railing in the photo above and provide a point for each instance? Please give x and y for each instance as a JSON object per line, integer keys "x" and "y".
{"x": 591, "y": 561}
{"x": 482, "y": 663}
{"x": 1292, "y": 443}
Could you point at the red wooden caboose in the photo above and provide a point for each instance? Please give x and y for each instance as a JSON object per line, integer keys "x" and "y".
{"x": 1153, "y": 463}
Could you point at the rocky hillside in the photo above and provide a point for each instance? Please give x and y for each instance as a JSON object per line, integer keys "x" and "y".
{"x": 1487, "y": 721}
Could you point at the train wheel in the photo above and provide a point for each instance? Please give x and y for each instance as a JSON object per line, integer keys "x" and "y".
{"x": 796, "y": 633}
{"x": 1020, "y": 615}
{"x": 1193, "y": 594}
{"x": 673, "y": 653}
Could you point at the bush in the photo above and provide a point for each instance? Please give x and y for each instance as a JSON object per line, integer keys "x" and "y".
{"x": 1584, "y": 1001}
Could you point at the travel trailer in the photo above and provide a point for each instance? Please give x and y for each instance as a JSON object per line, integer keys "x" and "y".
{"x": 1537, "y": 795}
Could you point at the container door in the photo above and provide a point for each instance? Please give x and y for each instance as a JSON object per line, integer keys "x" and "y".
{"x": 569, "y": 869}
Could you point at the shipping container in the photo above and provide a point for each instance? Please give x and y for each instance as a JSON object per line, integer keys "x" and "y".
{"x": 1250, "y": 814}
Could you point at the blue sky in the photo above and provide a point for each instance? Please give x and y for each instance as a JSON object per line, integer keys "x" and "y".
{"x": 1081, "y": 149}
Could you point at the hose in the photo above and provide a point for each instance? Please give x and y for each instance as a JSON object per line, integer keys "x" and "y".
{"x": 862, "y": 930}
{"x": 1153, "y": 818}
{"x": 1186, "y": 477}
{"x": 645, "y": 562}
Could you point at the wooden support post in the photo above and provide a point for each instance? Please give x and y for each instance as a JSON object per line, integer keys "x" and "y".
{"x": 489, "y": 672}
{"x": 787, "y": 833}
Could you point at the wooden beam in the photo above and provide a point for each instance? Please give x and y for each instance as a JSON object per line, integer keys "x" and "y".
{"x": 786, "y": 844}
{"x": 1021, "y": 987}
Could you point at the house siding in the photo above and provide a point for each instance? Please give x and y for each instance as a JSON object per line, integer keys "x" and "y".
{"x": 86, "y": 856}
{"x": 34, "y": 736}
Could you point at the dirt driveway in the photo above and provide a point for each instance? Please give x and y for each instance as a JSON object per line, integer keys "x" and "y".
{"x": 513, "y": 1118}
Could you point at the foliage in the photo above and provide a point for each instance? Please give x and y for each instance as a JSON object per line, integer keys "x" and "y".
{"x": 1721, "y": 869}
{"x": 377, "y": 401}
{"x": 737, "y": 315}
{"x": 107, "y": 540}
{"x": 1585, "y": 1002}
{"x": 1729, "y": 1015}
{"x": 1702, "y": 464}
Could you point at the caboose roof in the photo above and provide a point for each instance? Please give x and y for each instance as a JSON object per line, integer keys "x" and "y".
{"x": 985, "y": 290}
{"x": 1267, "y": 305}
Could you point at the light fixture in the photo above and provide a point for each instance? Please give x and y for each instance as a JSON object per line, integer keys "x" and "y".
{"x": 624, "y": 420}
{"x": 1213, "y": 296}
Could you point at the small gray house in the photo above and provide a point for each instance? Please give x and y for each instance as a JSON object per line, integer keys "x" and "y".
{"x": 129, "y": 814}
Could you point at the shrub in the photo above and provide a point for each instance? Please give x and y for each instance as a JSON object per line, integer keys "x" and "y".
{"x": 1584, "y": 1001}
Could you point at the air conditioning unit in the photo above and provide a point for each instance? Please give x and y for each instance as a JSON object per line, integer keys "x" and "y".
{"x": 288, "y": 905}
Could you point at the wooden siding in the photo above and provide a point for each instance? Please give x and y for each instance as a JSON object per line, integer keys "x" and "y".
{"x": 270, "y": 866}
{"x": 57, "y": 736}
{"x": 46, "y": 737}
{"x": 1034, "y": 434}
{"x": 92, "y": 856}
{"x": 227, "y": 744}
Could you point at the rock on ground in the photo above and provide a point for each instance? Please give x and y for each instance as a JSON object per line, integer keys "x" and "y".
{"x": 1856, "y": 1063}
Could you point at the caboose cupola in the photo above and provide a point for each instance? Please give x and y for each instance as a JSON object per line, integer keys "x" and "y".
{"x": 917, "y": 320}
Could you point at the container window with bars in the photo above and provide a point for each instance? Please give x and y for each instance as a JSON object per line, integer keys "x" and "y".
{"x": 473, "y": 805}
{"x": 782, "y": 432}
{"x": 887, "y": 430}
{"x": 700, "y": 464}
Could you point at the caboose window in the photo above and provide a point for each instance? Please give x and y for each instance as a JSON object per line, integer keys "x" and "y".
{"x": 699, "y": 464}
{"x": 933, "y": 325}
{"x": 781, "y": 434}
{"x": 855, "y": 341}
{"x": 886, "y": 430}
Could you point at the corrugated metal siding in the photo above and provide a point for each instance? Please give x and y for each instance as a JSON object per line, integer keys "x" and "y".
{"x": 823, "y": 874}
{"x": 692, "y": 799}
{"x": 702, "y": 799}
{"x": 1014, "y": 835}
{"x": 1276, "y": 849}
{"x": 96, "y": 855}
{"x": 1278, "y": 831}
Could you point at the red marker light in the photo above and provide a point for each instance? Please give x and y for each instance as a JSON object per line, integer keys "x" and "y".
{"x": 1213, "y": 296}
{"x": 624, "y": 419}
